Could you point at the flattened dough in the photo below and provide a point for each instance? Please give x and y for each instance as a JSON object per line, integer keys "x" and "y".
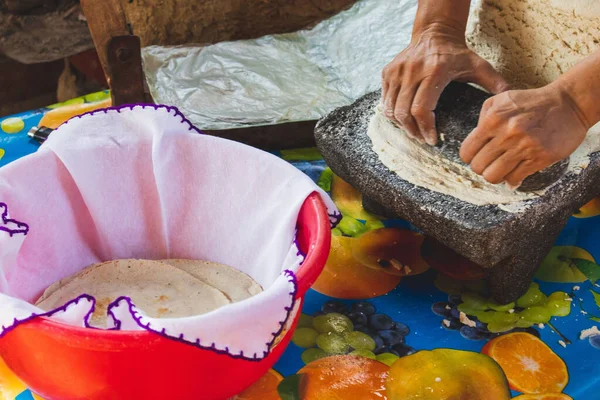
{"x": 236, "y": 285}
{"x": 157, "y": 288}
{"x": 420, "y": 165}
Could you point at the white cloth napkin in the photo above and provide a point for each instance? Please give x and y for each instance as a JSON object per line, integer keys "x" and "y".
{"x": 141, "y": 182}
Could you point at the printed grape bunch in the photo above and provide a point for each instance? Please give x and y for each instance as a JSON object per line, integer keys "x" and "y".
{"x": 357, "y": 330}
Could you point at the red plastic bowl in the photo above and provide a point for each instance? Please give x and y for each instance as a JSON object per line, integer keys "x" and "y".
{"x": 61, "y": 362}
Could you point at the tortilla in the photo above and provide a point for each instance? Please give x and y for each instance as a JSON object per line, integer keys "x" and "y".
{"x": 159, "y": 289}
{"x": 234, "y": 284}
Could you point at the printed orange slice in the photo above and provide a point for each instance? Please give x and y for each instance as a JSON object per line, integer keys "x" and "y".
{"x": 344, "y": 377}
{"x": 346, "y": 278}
{"x": 264, "y": 389}
{"x": 391, "y": 250}
{"x": 589, "y": 210}
{"x": 10, "y": 385}
{"x": 349, "y": 200}
{"x": 529, "y": 364}
{"x": 548, "y": 396}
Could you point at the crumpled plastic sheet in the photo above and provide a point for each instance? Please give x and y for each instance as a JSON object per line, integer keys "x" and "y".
{"x": 298, "y": 76}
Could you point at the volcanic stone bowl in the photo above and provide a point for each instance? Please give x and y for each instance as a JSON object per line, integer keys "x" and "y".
{"x": 509, "y": 246}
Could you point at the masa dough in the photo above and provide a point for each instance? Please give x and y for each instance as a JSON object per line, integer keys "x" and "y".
{"x": 531, "y": 43}
{"x": 421, "y": 165}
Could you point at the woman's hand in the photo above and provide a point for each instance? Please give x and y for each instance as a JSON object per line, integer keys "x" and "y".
{"x": 522, "y": 132}
{"x": 415, "y": 79}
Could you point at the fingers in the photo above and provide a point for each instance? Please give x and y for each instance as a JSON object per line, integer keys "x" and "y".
{"x": 472, "y": 145}
{"x": 402, "y": 112}
{"x": 409, "y": 101}
{"x": 385, "y": 82}
{"x": 389, "y": 101}
{"x": 522, "y": 171}
{"x": 384, "y": 88}
{"x": 425, "y": 101}
{"x": 489, "y": 153}
{"x": 495, "y": 159}
{"x": 497, "y": 165}
{"x": 487, "y": 77}
{"x": 497, "y": 171}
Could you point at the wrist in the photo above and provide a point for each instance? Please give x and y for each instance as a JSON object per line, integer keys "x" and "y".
{"x": 581, "y": 86}
{"x": 447, "y": 18}
{"x": 583, "y": 103}
{"x": 442, "y": 30}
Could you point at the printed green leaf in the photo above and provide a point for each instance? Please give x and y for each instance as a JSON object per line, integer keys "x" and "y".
{"x": 325, "y": 180}
{"x": 304, "y": 154}
{"x": 289, "y": 387}
{"x": 596, "y": 297}
{"x": 588, "y": 268}
{"x": 351, "y": 227}
{"x": 374, "y": 224}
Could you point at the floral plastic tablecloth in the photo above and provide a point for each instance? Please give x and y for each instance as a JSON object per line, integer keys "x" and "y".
{"x": 389, "y": 295}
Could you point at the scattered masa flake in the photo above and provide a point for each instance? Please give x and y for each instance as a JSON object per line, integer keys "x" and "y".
{"x": 586, "y": 333}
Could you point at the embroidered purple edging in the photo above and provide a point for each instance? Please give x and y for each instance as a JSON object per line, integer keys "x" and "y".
{"x": 299, "y": 252}
{"x": 86, "y": 317}
{"x": 288, "y": 310}
{"x": 197, "y": 343}
{"x": 116, "y": 321}
{"x": 21, "y": 226}
{"x": 143, "y": 106}
{"x": 4, "y": 330}
{"x": 335, "y": 218}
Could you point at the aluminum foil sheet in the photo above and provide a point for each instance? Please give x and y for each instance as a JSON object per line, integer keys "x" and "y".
{"x": 282, "y": 78}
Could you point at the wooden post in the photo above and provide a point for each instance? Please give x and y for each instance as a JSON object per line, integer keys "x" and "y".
{"x": 118, "y": 50}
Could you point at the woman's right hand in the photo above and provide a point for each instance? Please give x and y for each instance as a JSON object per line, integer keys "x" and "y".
{"x": 415, "y": 79}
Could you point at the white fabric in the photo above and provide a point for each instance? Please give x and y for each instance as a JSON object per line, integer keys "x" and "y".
{"x": 142, "y": 183}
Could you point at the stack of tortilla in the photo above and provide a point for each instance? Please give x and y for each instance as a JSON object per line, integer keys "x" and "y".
{"x": 161, "y": 289}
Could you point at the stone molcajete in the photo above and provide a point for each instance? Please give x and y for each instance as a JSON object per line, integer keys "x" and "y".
{"x": 509, "y": 246}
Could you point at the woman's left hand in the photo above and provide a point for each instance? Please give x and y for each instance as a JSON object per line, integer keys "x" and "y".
{"x": 521, "y": 132}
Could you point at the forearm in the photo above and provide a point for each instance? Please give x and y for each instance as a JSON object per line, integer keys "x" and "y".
{"x": 442, "y": 16}
{"x": 582, "y": 85}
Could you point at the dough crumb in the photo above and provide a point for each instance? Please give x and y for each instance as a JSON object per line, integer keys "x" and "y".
{"x": 466, "y": 321}
{"x": 586, "y": 333}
